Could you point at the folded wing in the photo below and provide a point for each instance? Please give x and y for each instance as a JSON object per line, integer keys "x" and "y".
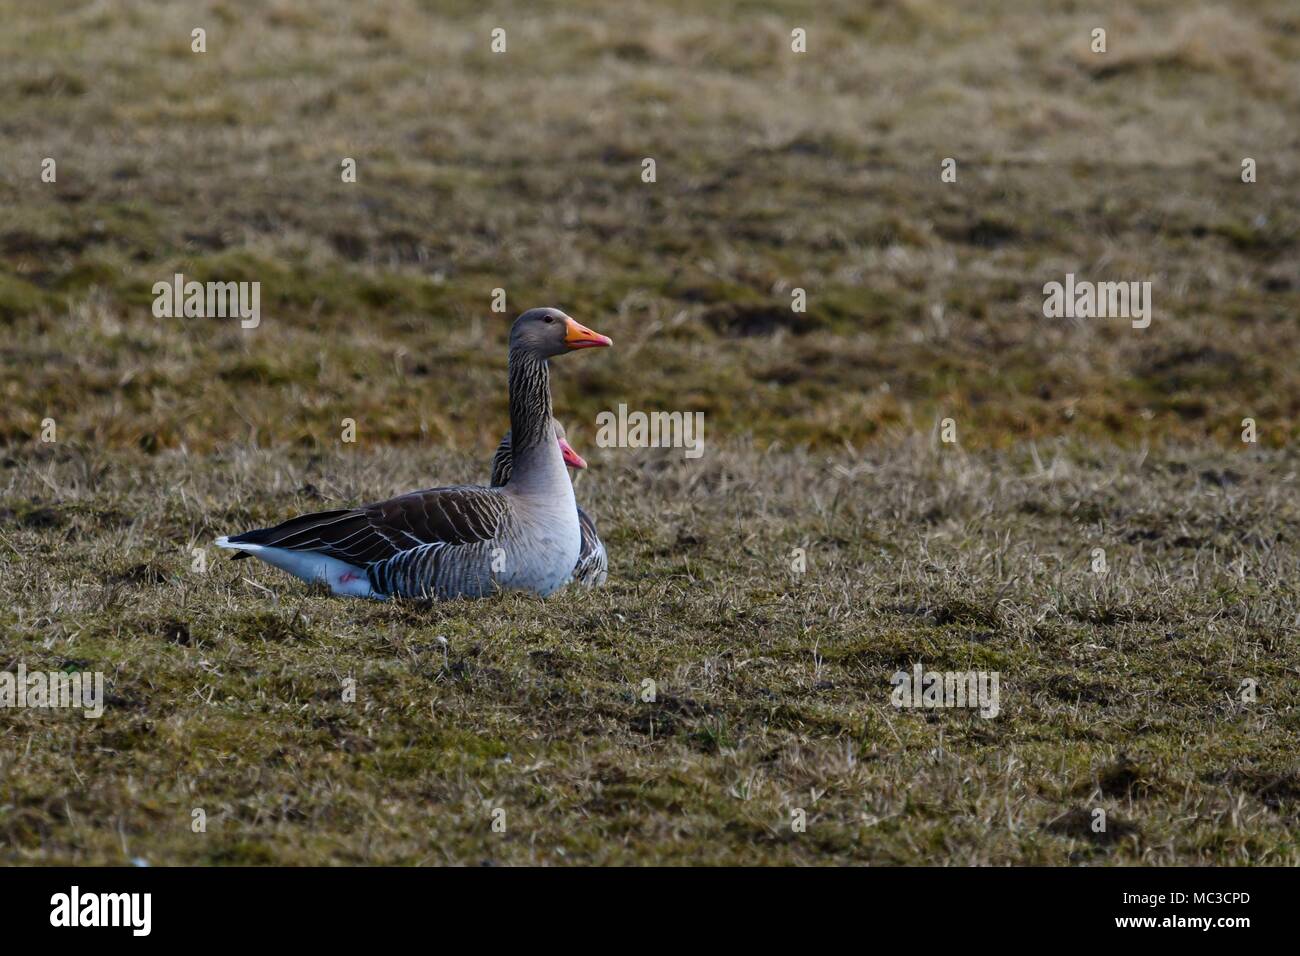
{"x": 375, "y": 533}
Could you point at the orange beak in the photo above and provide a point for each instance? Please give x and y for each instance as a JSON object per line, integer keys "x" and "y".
{"x": 571, "y": 457}
{"x": 580, "y": 337}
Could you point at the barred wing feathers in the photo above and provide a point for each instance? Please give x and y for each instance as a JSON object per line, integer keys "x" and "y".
{"x": 371, "y": 534}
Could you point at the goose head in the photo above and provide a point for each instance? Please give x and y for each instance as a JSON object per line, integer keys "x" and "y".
{"x": 547, "y": 332}
{"x": 503, "y": 458}
{"x": 571, "y": 457}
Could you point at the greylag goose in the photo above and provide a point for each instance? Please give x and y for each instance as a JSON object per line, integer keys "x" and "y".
{"x": 593, "y": 563}
{"x": 462, "y": 541}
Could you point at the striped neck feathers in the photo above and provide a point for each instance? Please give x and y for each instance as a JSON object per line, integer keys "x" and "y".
{"x": 502, "y": 463}
{"x": 530, "y": 402}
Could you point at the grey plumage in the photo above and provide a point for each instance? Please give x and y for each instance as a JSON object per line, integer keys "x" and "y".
{"x": 592, "y": 568}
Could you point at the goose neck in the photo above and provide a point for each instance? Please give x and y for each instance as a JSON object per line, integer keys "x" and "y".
{"x": 530, "y": 403}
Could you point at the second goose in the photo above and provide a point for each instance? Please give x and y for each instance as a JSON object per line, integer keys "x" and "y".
{"x": 592, "y": 568}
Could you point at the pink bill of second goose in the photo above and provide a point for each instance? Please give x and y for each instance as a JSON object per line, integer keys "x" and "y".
{"x": 465, "y": 540}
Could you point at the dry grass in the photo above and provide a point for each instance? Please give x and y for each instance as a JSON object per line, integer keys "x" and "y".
{"x": 775, "y": 171}
{"x": 1119, "y": 691}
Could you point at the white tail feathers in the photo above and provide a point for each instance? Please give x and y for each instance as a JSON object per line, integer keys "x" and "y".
{"x": 342, "y": 578}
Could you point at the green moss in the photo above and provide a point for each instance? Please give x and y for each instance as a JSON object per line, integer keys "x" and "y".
{"x": 19, "y": 299}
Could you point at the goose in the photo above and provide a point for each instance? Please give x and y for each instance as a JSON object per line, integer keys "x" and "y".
{"x": 465, "y": 540}
{"x": 593, "y": 563}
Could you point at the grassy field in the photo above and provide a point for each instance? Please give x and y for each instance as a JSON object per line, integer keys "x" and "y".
{"x": 775, "y": 171}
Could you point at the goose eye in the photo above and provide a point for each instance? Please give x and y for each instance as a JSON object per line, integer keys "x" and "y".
{"x": 550, "y": 319}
